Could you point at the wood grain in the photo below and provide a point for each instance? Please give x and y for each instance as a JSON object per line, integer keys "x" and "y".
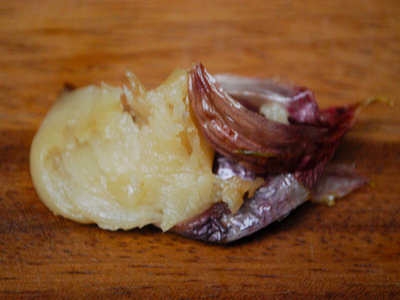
{"x": 343, "y": 50}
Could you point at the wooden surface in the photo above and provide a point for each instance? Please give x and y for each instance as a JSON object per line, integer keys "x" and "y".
{"x": 343, "y": 50}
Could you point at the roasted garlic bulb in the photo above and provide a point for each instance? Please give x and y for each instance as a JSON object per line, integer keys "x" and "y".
{"x": 210, "y": 158}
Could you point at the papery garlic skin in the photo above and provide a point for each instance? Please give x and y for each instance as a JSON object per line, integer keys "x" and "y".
{"x": 122, "y": 165}
{"x": 230, "y": 119}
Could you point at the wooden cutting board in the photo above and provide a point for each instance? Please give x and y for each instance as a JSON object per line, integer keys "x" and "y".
{"x": 345, "y": 51}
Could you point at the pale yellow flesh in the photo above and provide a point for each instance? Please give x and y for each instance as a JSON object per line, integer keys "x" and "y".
{"x": 275, "y": 112}
{"x": 97, "y": 160}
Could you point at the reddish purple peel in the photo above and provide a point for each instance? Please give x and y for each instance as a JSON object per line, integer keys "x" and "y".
{"x": 273, "y": 201}
{"x": 228, "y": 116}
{"x": 290, "y": 157}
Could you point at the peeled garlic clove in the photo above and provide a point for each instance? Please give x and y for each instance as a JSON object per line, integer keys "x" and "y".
{"x": 127, "y": 157}
{"x": 275, "y": 112}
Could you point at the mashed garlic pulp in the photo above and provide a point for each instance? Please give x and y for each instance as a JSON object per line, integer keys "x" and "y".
{"x": 127, "y": 157}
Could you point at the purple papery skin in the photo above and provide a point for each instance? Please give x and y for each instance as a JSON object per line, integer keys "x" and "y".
{"x": 227, "y": 110}
{"x": 273, "y": 201}
{"x": 315, "y": 132}
{"x": 302, "y": 108}
{"x": 226, "y": 168}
